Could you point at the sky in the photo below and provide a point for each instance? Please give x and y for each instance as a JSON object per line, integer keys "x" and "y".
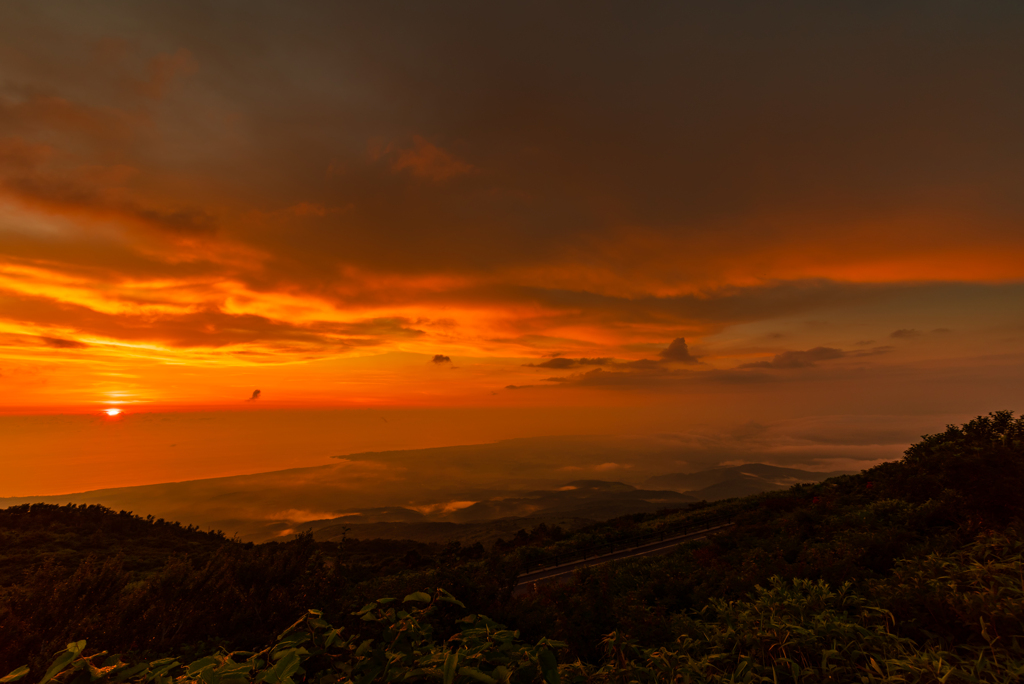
{"x": 499, "y": 220}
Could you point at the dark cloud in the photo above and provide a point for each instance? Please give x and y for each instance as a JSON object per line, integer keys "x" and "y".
{"x": 557, "y": 363}
{"x": 654, "y": 374}
{"x": 255, "y": 395}
{"x": 799, "y": 359}
{"x": 60, "y": 343}
{"x": 905, "y": 333}
{"x": 441, "y": 358}
{"x": 70, "y": 195}
{"x": 643, "y": 364}
{"x": 555, "y": 167}
{"x": 678, "y": 351}
{"x": 710, "y": 310}
{"x": 639, "y": 204}
{"x": 560, "y": 363}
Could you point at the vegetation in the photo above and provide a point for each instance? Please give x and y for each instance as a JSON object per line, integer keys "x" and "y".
{"x": 912, "y": 571}
{"x": 67, "y": 534}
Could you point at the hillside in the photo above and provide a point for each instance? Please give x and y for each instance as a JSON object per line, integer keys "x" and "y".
{"x": 743, "y": 480}
{"x": 66, "y": 535}
{"x": 572, "y": 506}
{"x": 912, "y": 566}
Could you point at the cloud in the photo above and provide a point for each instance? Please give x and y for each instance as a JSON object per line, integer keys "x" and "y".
{"x": 603, "y": 467}
{"x": 560, "y": 363}
{"x": 255, "y": 395}
{"x": 71, "y": 196}
{"x": 164, "y": 69}
{"x": 424, "y": 159}
{"x": 60, "y": 343}
{"x": 441, "y": 358}
{"x": 18, "y": 154}
{"x": 799, "y": 359}
{"x": 556, "y": 363}
{"x": 208, "y": 327}
{"x": 501, "y": 213}
{"x": 905, "y": 333}
{"x": 678, "y": 351}
{"x": 658, "y": 374}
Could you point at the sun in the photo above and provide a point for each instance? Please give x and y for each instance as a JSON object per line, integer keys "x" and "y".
{"x": 112, "y": 412}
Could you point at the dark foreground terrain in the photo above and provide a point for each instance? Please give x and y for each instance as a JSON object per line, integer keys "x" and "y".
{"x": 910, "y": 571}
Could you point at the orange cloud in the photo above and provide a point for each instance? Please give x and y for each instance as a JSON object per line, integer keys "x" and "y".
{"x": 155, "y": 230}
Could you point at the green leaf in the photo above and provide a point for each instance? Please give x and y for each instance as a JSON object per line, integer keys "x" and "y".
{"x": 58, "y": 665}
{"x": 130, "y": 672}
{"x": 162, "y": 667}
{"x": 291, "y": 641}
{"x": 420, "y": 596}
{"x": 23, "y": 670}
{"x": 363, "y": 648}
{"x": 877, "y": 668}
{"x": 549, "y": 666}
{"x": 451, "y": 663}
{"x": 283, "y": 669}
{"x": 231, "y": 669}
{"x": 331, "y": 636}
{"x": 197, "y": 666}
{"x": 551, "y": 643}
{"x": 448, "y": 598}
{"x": 742, "y": 666}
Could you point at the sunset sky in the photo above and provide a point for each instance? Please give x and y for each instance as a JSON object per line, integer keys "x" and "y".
{"x": 497, "y": 220}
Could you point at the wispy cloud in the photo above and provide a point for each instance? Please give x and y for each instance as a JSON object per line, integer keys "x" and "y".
{"x": 799, "y": 359}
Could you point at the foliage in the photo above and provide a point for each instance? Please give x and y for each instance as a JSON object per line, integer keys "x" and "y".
{"x": 912, "y": 571}
{"x": 799, "y": 631}
{"x": 972, "y": 597}
{"x": 977, "y": 468}
{"x": 402, "y": 649}
{"x": 68, "y": 534}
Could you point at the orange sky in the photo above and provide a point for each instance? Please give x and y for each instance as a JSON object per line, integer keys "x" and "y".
{"x": 469, "y": 206}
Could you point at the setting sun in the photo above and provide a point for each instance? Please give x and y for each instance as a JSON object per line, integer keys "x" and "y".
{"x": 112, "y": 412}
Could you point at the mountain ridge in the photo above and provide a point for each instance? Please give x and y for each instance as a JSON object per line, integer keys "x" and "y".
{"x": 268, "y": 506}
